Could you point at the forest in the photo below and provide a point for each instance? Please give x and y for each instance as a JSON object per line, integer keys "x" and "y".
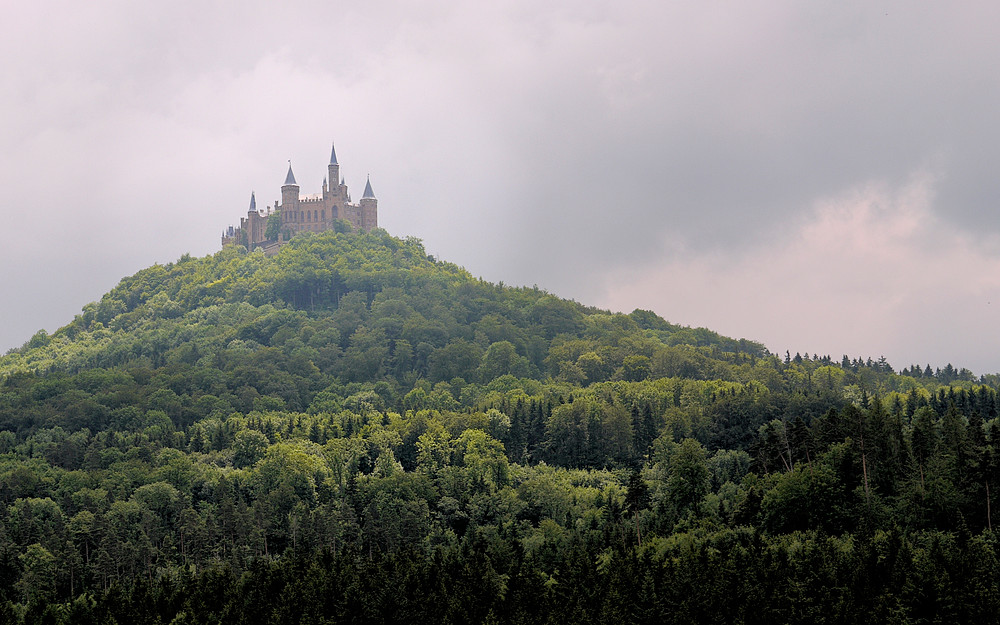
{"x": 352, "y": 431}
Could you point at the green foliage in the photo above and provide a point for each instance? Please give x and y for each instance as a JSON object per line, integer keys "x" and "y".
{"x": 273, "y": 227}
{"x": 241, "y": 437}
{"x": 688, "y": 476}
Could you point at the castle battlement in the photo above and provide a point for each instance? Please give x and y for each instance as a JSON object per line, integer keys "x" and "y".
{"x": 306, "y": 213}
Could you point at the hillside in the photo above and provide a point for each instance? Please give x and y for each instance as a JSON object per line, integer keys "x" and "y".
{"x": 373, "y": 435}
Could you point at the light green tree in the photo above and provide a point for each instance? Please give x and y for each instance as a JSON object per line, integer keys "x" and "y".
{"x": 484, "y": 459}
{"x": 38, "y": 575}
{"x": 249, "y": 447}
{"x": 688, "y": 476}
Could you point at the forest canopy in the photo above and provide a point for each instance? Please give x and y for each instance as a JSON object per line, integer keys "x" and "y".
{"x": 351, "y": 430}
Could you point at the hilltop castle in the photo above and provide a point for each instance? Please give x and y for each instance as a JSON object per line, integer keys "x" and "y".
{"x": 309, "y": 213}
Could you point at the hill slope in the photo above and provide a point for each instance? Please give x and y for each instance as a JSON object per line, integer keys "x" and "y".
{"x": 354, "y": 409}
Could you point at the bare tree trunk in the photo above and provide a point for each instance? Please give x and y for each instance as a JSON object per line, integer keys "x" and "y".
{"x": 989, "y": 521}
{"x": 788, "y": 446}
{"x": 864, "y": 468}
{"x": 784, "y": 462}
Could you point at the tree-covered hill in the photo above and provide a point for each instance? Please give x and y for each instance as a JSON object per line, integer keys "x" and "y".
{"x": 353, "y": 431}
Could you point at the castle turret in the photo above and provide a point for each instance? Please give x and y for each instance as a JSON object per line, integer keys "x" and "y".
{"x": 289, "y": 191}
{"x": 333, "y": 169}
{"x": 290, "y": 216}
{"x": 369, "y": 207}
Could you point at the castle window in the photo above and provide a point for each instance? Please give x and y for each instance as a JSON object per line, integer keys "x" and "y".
{"x": 322, "y": 214}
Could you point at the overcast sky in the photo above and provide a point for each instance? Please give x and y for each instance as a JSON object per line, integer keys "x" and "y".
{"x": 819, "y": 177}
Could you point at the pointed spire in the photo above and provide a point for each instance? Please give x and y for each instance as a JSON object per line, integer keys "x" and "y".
{"x": 368, "y": 189}
{"x": 253, "y": 203}
{"x": 290, "y": 178}
{"x": 333, "y": 154}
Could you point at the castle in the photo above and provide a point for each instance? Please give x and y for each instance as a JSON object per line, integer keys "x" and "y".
{"x": 271, "y": 227}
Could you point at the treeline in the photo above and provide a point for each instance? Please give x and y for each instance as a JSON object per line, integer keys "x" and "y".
{"x": 726, "y": 576}
{"x": 351, "y": 431}
{"x": 862, "y": 514}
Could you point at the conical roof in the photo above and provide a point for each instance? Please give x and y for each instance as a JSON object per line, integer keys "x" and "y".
{"x": 368, "y": 190}
{"x": 290, "y": 178}
{"x": 253, "y": 202}
{"x": 333, "y": 155}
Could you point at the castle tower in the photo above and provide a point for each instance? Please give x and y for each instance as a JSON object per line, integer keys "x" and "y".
{"x": 369, "y": 207}
{"x": 289, "y": 190}
{"x": 333, "y": 169}
{"x": 290, "y": 201}
{"x": 254, "y": 225}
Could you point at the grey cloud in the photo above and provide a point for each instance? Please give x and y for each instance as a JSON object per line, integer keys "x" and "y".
{"x": 532, "y": 144}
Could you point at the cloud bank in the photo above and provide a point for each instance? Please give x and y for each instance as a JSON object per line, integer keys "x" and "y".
{"x": 532, "y": 143}
{"x": 873, "y": 271}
